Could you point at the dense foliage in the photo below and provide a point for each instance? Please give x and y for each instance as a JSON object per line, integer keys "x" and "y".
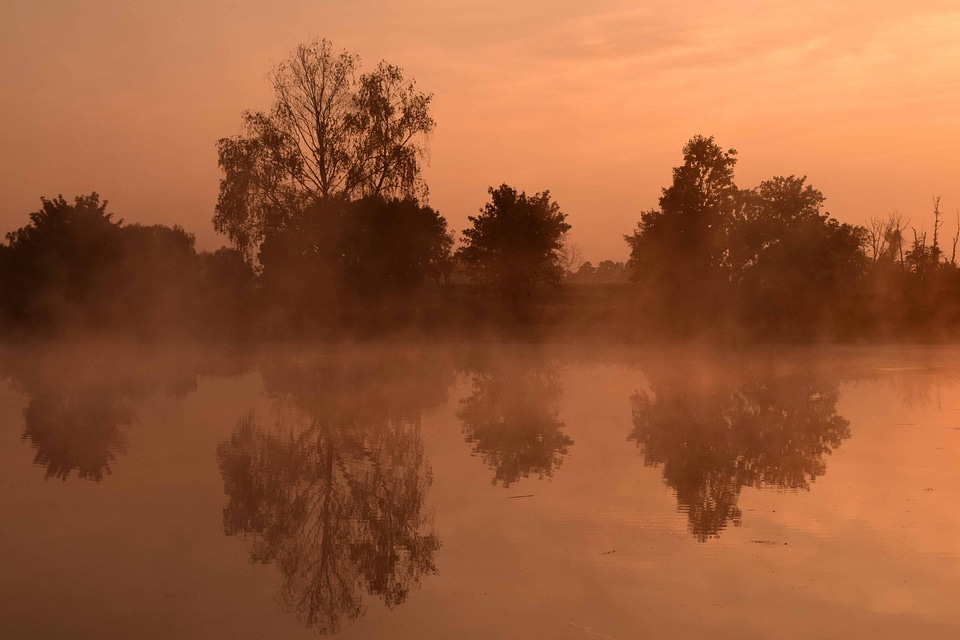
{"x": 366, "y": 254}
{"x": 515, "y": 243}
{"x": 766, "y": 259}
{"x": 74, "y": 269}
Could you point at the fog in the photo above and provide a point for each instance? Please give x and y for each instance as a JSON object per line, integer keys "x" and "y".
{"x": 358, "y": 420}
{"x": 407, "y": 488}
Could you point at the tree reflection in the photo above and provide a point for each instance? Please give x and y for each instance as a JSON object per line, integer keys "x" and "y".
{"x": 76, "y": 431}
{"x": 81, "y": 399}
{"x": 333, "y": 492}
{"x": 714, "y": 439}
{"x": 511, "y": 421}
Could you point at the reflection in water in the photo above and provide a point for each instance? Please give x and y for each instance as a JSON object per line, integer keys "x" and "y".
{"x": 81, "y": 399}
{"x": 511, "y": 421}
{"x": 919, "y": 388}
{"x": 714, "y": 439}
{"x": 334, "y": 494}
{"x": 76, "y": 431}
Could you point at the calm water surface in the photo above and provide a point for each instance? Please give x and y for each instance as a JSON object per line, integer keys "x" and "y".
{"x": 409, "y": 491}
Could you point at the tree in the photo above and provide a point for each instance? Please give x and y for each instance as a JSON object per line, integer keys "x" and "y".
{"x": 226, "y": 285}
{"x": 606, "y": 272}
{"x": 793, "y": 265}
{"x": 678, "y": 250}
{"x": 516, "y": 242}
{"x": 74, "y": 268}
{"x": 158, "y": 276}
{"x": 884, "y": 238}
{"x": 329, "y": 134}
{"x": 367, "y": 252}
{"x": 393, "y": 246}
{"x": 713, "y": 253}
{"x": 586, "y": 273}
{"x": 610, "y": 271}
{"x": 53, "y": 270}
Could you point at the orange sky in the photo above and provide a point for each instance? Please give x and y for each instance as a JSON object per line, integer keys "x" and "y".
{"x": 593, "y": 103}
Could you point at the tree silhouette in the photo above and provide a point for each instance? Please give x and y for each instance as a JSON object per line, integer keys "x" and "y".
{"x": 224, "y": 305}
{"x": 515, "y": 242}
{"x": 768, "y": 259}
{"x": 511, "y": 422}
{"x": 393, "y": 246}
{"x": 794, "y": 265}
{"x": 329, "y": 134}
{"x": 369, "y": 252}
{"x": 333, "y": 492}
{"x": 74, "y": 269}
{"x": 607, "y": 271}
{"x": 713, "y": 439}
{"x": 158, "y": 276}
{"x": 51, "y": 269}
{"x": 678, "y": 251}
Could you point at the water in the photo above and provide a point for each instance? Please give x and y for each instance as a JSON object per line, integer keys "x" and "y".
{"x": 508, "y": 491}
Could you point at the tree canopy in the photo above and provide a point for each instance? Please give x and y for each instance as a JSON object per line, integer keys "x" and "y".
{"x": 76, "y": 269}
{"x": 66, "y": 256}
{"x": 330, "y": 133}
{"x": 516, "y": 242}
{"x": 792, "y": 263}
{"x": 362, "y": 253}
{"x": 678, "y": 249}
{"x": 767, "y": 258}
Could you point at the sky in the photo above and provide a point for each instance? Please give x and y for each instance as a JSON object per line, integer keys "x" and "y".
{"x": 592, "y": 101}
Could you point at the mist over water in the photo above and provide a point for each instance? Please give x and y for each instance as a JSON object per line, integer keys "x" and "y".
{"x": 478, "y": 489}
{"x": 366, "y": 417}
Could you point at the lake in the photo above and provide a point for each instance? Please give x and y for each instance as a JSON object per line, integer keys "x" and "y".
{"x": 479, "y": 491}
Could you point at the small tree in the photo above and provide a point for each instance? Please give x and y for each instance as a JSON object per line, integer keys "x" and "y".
{"x": 515, "y": 243}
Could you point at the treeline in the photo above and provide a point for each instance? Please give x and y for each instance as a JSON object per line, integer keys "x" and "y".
{"x": 768, "y": 261}
{"x": 75, "y": 270}
{"x": 713, "y": 259}
{"x": 339, "y": 266}
{"x": 323, "y": 199}
{"x": 605, "y": 271}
